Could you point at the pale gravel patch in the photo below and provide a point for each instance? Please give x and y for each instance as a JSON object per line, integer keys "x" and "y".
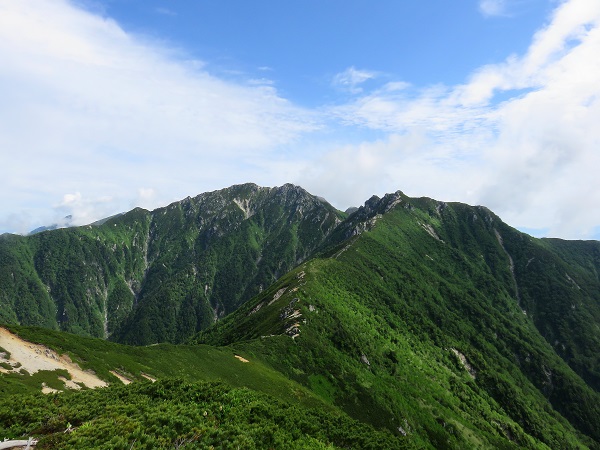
{"x": 123, "y": 379}
{"x": 35, "y": 357}
{"x": 148, "y": 377}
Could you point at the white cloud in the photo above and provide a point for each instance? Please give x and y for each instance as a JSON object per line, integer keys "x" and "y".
{"x": 351, "y": 79}
{"x": 146, "y": 198}
{"x": 76, "y": 209}
{"x": 491, "y": 8}
{"x": 532, "y": 157}
{"x": 88, "y": 107}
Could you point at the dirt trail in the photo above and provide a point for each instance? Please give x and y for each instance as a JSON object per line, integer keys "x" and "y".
{"x": 35, "y": 357}
{"x": 148, "y": 377}
{"x": 123, "y": 378}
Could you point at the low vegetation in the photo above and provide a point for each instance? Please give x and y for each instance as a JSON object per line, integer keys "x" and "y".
{"x": 177, "y": 414}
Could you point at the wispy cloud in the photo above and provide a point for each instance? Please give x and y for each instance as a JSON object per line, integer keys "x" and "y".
{"x": 492, "y": 8}
{"x": 165, "y": 11}
{"x": 351, "y": 79}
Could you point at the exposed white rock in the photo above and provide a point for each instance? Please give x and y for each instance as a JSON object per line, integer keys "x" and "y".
{"x": 427, "y": 227}
{"x": 244, "y": 205}
{"x": 256, "y": 308}
{"x": 277, "y": 295}
{"x": 463, "y": 359}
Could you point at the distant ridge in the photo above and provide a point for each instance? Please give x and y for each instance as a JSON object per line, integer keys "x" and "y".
{"x": 66, "y": 222}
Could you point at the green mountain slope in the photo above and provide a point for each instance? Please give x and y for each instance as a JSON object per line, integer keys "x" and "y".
{"x": 424, "y": 317}
{"x": 186, "y": 362}
{"x": 146, "y": 277}
{"x": 434, "y": 321}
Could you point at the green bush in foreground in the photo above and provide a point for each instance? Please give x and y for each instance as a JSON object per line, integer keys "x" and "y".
{"x": 176, "y": 414}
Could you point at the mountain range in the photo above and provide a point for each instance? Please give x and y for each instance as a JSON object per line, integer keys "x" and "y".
{"x": 434, "y": 323}
{"x": 161, "y": 276}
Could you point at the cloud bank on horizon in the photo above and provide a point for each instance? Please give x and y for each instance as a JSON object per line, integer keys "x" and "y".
{"x": 97, "y": 119}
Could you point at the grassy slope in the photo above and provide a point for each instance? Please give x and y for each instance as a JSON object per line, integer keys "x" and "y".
{"x": 250, "y": 406}
{"x": 406, "y": 296}
{"x": 192, "y": 363}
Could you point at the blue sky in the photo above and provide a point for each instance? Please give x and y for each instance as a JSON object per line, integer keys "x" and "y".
{"x": 111, "y": 104}
{"x": 302, "y": 45}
